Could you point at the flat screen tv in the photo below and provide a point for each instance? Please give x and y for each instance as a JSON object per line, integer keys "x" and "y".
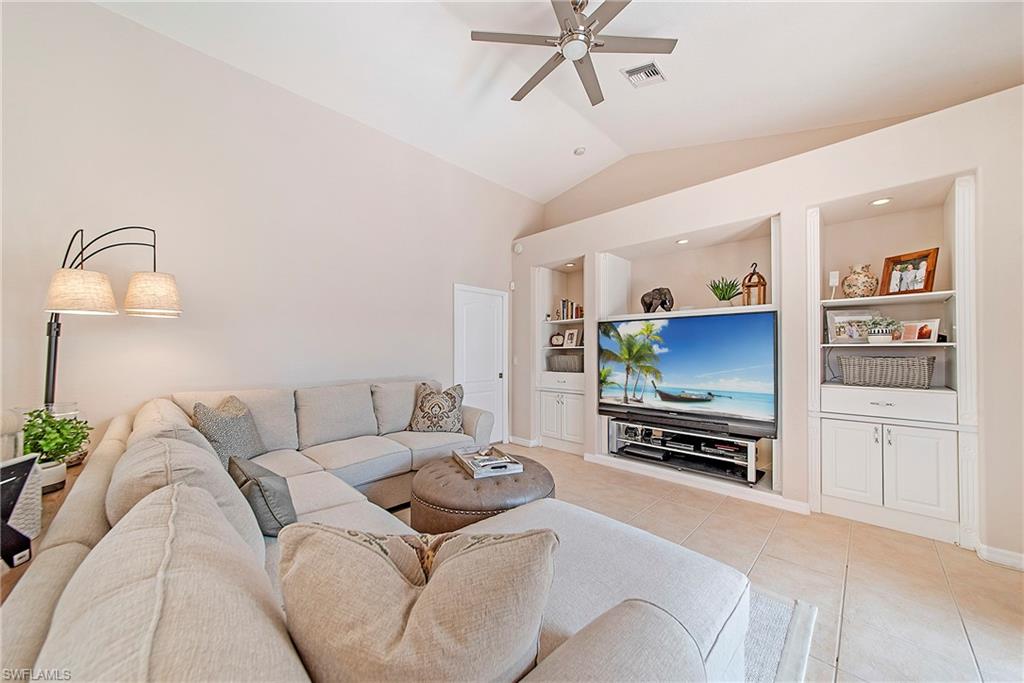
{"x": 709, "y": 372}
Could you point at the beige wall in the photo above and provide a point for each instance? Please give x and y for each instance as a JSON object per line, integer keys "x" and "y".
{"x": 652, "y": 174}
{"x": 307, "y": 246}
{"x": 984, "y": 135}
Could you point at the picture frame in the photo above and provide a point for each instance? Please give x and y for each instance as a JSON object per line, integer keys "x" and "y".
{"x": 910, "y": 273}
{"x": 919, "y": 331}
{"x": 572, "y": 337}
{"x": 849, "y": 327}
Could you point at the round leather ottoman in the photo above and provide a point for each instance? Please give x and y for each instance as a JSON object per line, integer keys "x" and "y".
{"x": 446, "y": 498}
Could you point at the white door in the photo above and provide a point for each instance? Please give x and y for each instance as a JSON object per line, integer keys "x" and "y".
{"x": 550, "y": 415}
{"x": 480, "y": 352}
{"x": 572, "y": 417}
{"x": 921, "y": 471}
{"x": 851, "y": 461}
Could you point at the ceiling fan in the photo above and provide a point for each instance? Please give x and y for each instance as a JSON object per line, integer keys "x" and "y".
{"x": 579, "y": 36}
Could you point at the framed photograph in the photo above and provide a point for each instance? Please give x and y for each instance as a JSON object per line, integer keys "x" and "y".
{"x": 849, "y": 327}
{"x": 572, "y": 337}
{"x": 911, "y": 331}
{"x": 910, "y": 273}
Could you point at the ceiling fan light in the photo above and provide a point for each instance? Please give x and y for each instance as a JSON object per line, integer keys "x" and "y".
{"x": 575, "y": 49}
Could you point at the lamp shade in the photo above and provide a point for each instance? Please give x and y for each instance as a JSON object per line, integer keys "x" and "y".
{"x": 85, "y": 292}
{"x": 153, "y": 295}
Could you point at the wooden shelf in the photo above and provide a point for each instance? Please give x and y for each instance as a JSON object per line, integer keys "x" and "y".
{"x": 562, "y": 348}
{"x": 922, "y": 298}
{"x": 888, "y": 345}
{"x": 689, "y": 312}
{"x": 932, "y": 390}
{"x": 568, "y": 321}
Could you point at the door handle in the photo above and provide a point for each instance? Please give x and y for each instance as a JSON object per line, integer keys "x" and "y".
{"x": 888, "y": 435}
{"x": 878, "y": 438}
{"x": 501, "y": 375}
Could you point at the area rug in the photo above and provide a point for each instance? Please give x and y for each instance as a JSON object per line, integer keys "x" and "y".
{"x": 778, "y": 638}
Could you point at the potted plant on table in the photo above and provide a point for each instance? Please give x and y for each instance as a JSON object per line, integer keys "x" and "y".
{"x": 725, "y": 289}
{"x": 880, "y": 329}
{"x": 53, "y": 439}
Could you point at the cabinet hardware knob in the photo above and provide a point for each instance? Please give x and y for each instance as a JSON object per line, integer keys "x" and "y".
{"x": 877, "y": 435}
{"x": 887, "y": 404}
{"x": 888, "y": 435}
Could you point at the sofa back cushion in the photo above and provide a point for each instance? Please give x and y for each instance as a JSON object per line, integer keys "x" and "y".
{"x": 434, "y": 608}
{"x": 152, "y": 464}
{"x": 334, "y": 413}
{"x": 393, "y": 403}
{"x": 171, "y": 593}
{"x": 272, "y": 409}
{"x": 162, "y": 417}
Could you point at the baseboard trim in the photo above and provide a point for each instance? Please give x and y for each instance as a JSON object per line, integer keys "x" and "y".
{"x": 1006, "y": 558}
{"x": 526, "y": 443}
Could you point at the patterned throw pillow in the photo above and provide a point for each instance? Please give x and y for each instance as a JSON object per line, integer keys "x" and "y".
{"x": 453, "y": 607}
{"x": 437, "y": 411}
{"x": 230, "y": 429}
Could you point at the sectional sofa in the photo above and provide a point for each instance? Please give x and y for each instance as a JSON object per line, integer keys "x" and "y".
{"x": 142, "y": 597}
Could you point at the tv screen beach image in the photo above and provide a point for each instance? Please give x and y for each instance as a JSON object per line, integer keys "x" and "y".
{"x": 716, "y": 364}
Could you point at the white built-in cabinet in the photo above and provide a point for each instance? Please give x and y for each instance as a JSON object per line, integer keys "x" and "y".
{"x": 911, "y": 469}
{"x": 561, "y": 416}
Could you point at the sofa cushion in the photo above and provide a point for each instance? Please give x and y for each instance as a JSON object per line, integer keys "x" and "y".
{"x": 287, "y": 463}
{"x": 437, "y": 411}
{"x": 710, "y": 599}
{"x": 427, "y": 446}
{"x": 334, "y": 413}
{"x": 230, "y": 429}
{"x": 415, "y": 607}
{"x": 171, "y": 593}
{"x": 393, "y": 403}
{"x": 161, "y": 412}
{"x": 320, "y": 490}
{"x": 267, "y": 493}
{"x": 155, "y": 463}
{"x": 185, "y": 433}
{"x": 272, "y": 409}
{"x": 359, "y": 515}
{"x": 362, "y": 459}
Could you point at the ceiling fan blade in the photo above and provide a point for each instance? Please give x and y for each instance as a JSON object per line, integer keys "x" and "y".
{"x": 518, "y": 38}
{"x": 566, "y": 14}
{"x": 604, "y": 14}
{"x": 585, "y": 69}
{"x": 536, "y": 78}
{"x": 650, "y": 46}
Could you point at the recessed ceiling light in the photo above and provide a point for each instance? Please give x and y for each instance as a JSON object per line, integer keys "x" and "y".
{"x": 570, "y": 265}
{"x": 882, "y": 201}
{"x": 682, "y": 241}
{"x": 580, "y": 151}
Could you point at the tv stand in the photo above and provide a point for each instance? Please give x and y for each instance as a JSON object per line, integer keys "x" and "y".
{"x": 711, "y": 453}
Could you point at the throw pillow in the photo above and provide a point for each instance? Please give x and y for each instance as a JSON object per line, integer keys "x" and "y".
{"x": 437, "y": 411}
{"x": 457, "y": 607}
{"x": 230, "y": 429}
{"x": 267, "y": 494}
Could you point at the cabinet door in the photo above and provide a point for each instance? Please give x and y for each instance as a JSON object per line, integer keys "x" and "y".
{"x": 921, "y": 471}
{"x": 851, "y": 460}
{"x": 572, "y": 417}
{"x": 550, "y": 415}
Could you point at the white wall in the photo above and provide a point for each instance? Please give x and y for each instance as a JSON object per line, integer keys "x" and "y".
{"x": 307, "y": 247}
{"x": 984, "y": 135}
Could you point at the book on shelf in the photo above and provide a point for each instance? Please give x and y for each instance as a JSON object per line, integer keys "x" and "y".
{"x": 488, "y": 462}
{"x": 569, "y": 310}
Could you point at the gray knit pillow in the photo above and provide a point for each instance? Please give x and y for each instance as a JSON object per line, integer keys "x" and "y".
{"x": 437, "y": 411}
{"x": 230, "y": 429}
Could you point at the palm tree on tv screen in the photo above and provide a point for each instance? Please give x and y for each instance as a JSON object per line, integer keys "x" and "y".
{"x": 634, "y": 353}
{"x": 649, "y": 333}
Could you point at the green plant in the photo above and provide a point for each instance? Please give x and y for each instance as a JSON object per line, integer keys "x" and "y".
{"x": 882, "y": 324}
{"x": 54, "y": 438}
{"x": 725, "y": 289}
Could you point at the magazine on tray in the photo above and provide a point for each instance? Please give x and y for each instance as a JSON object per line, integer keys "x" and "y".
{"x": 489, "y": 462}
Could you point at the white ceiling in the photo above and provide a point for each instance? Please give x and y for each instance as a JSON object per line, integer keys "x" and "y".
{"x": 741, "y": 70}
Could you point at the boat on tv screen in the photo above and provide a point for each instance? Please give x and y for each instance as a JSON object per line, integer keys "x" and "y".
{"x": 719, "y": 365}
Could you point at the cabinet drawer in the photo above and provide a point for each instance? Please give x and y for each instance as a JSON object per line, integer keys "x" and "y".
{"x": 905, "y": 404}
{"x": 563, "y": 381}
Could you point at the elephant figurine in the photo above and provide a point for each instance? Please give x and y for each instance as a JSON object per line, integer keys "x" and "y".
{"x": 659, "y": 297}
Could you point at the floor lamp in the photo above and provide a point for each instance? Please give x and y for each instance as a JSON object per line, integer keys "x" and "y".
{"x": 87, "y": 292}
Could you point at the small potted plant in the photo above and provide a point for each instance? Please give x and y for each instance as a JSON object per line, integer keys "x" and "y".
{"x": 725, "y": 289}
{"x": 53, "y": 439}
{"x": 881, "y": 329}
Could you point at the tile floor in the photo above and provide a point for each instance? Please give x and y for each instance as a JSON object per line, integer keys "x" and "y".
{"x": 891, "y": 606}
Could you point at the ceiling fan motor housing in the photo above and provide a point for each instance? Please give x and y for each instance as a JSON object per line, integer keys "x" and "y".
{"x": 575, "y": 45}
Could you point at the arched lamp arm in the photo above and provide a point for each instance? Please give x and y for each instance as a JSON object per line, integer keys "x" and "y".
{"x": 81, "y": 257}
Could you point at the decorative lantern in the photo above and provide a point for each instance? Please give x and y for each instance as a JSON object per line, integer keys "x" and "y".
{"x": 754, "y": 281}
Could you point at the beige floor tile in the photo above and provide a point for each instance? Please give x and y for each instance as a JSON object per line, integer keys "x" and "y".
{"x": 876, "y": 655}
{"x": 728, "y": 540}
{"x": 403, "y": 515}
{"x": 671, "y": 521}
{"x": 792, "y": 581}
{"x": 823, "y": 551}
{"x": 1000, "y": 650}
{"x": 825, "y": 640}
{"x": 819, "y": 672}
{"x": 791, "y": 521}
{"x": 692, "y": 497}
{"x": 618, "y": 503}
{"x": 847, "y": 677}
{"x": 754, "y": 514}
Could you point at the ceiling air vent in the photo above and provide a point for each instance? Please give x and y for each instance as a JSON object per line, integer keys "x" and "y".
{"x": 644, "y": 75}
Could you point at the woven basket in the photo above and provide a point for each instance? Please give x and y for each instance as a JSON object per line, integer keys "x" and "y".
{"x": 564, "y": 362}
{"x": 904, "y": 372}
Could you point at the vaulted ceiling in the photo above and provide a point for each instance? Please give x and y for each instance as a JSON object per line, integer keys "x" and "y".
{"x": 741, "y": 70}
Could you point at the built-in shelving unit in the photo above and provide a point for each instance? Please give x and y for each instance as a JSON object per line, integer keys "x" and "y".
{"x": 900, "y": 345}
{"x": 867, "y": 301}
{"x": 567, "y": 321}
{"x": 690, "y": 312}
